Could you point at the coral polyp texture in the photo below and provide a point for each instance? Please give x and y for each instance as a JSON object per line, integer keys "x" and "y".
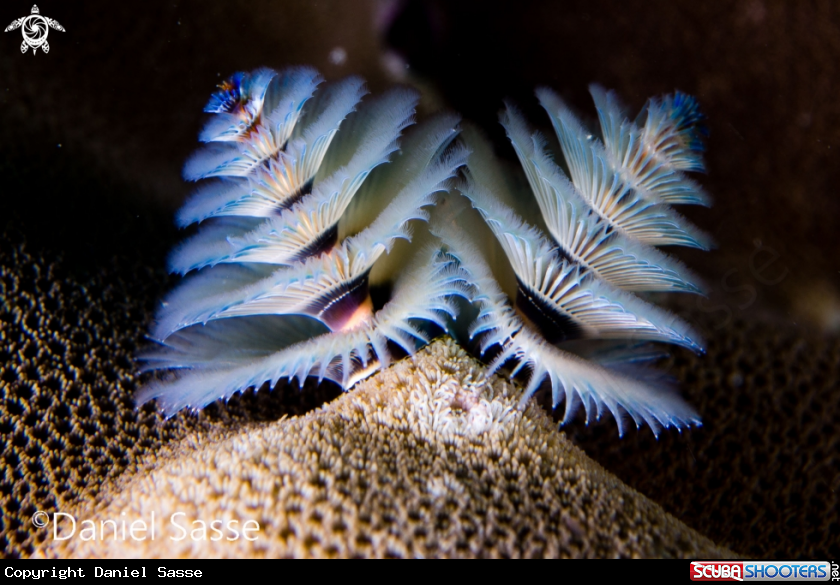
{"x": 577, "y": 282}
{"x": 295, "y": 214}
{"x": 429, "y": 458}
{"x": 305, "y": 190}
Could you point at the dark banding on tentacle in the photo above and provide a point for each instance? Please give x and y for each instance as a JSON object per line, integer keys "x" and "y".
{"x": 323, "y": 243}
{"x": 544, "y": 315}
{"x": 346, "y": 306}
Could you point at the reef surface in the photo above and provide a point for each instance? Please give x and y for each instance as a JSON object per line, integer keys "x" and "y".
{"x": 426, "y": 458}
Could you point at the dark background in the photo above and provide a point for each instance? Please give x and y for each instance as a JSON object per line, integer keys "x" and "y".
{"x": 122, "y": 90}
{"x": 93, "y": 136}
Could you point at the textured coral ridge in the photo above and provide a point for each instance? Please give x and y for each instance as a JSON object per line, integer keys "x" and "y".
{"x": 771, "y": 392}
{"x": 67, "y": 374}
{"x": 427, "y": 458}
{"x": 295, "y": 215}
{"x": 66, "y": 378}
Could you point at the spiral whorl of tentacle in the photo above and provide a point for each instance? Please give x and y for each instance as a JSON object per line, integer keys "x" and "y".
{"x": 291, "y": 227}
{"x": 577, "y": 282}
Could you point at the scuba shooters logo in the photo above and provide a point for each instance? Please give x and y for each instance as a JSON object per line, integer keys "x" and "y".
{"x": 760, "y": 571}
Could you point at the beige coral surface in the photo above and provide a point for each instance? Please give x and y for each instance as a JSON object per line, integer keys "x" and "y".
{"x": 427, "y": 458}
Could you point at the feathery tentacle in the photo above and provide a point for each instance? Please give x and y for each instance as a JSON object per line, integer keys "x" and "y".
{"x": 300, "y": 208}
{"x": 310, "y": 287}
{"x": 562, "y": 301}
{"x": 588, "y": 241}
{"x": 642, "y": 165}
{"x": 310, "y": 225}
{"x": 573, "y": 379}
{"x": 613, "y": 199}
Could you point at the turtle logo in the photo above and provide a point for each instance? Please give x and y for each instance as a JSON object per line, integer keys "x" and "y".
{"x": 35, "y": 28}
